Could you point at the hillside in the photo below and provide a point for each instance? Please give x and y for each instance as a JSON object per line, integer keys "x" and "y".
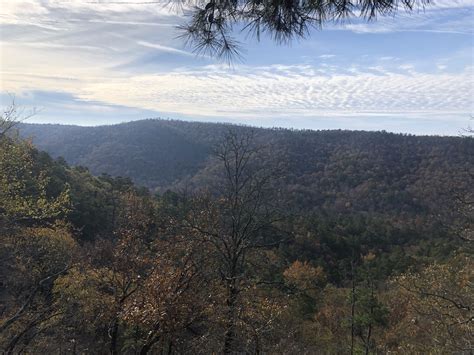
{"x": 338, "y": 170}
{"x": 382, "y": 227}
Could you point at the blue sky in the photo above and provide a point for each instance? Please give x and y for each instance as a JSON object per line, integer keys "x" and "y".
{"x": 104, "y": 62}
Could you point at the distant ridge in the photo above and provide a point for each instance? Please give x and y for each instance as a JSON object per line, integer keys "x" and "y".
{"x": 325, "y": 169}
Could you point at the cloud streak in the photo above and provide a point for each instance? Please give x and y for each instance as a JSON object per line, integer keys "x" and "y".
{"x": 163, "y": 48}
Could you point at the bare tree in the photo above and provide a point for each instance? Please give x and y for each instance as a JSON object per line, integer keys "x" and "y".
{"x": 234, "y": 223}
{"x": 12, "y": 115}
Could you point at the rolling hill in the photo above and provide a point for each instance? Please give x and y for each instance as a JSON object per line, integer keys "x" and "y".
{"x": 338, "y": 170}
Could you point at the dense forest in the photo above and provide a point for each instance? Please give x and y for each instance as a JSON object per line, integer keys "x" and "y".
{"x": 374, "y": 172}
{"x": 166, "y": 237}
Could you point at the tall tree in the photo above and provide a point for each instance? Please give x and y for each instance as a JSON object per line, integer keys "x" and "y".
{"x": 236, "y": 222}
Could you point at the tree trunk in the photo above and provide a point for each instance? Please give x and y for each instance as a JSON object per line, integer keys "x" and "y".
{"x": 367, "y": 342}
{"x": 145, "y": 349}
{"x": 114, "y": 337}
{"x": 151, "y": 340}
{"x": 369, "y": 331}
{"x": 353, "y": 300}
{"x": 231, "y": 303}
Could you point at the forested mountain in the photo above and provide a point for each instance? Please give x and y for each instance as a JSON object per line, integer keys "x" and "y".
{"x": 375, "y": 172}
{"x": 273, "y": 241}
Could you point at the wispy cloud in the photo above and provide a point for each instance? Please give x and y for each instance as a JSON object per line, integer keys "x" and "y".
{"x": 270, "y": 92}
{"x": 125, "y": 56}
{"x": 163, "y": 48}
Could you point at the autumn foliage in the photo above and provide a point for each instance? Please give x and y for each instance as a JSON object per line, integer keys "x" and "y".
{"x": 97, "y": 265}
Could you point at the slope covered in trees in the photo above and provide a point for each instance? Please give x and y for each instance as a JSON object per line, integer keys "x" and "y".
{"x": 96, "y": 265}
{"x": 374, "y": 172}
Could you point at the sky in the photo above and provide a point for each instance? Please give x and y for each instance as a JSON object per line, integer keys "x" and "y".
{"x": 94, "y": 62}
